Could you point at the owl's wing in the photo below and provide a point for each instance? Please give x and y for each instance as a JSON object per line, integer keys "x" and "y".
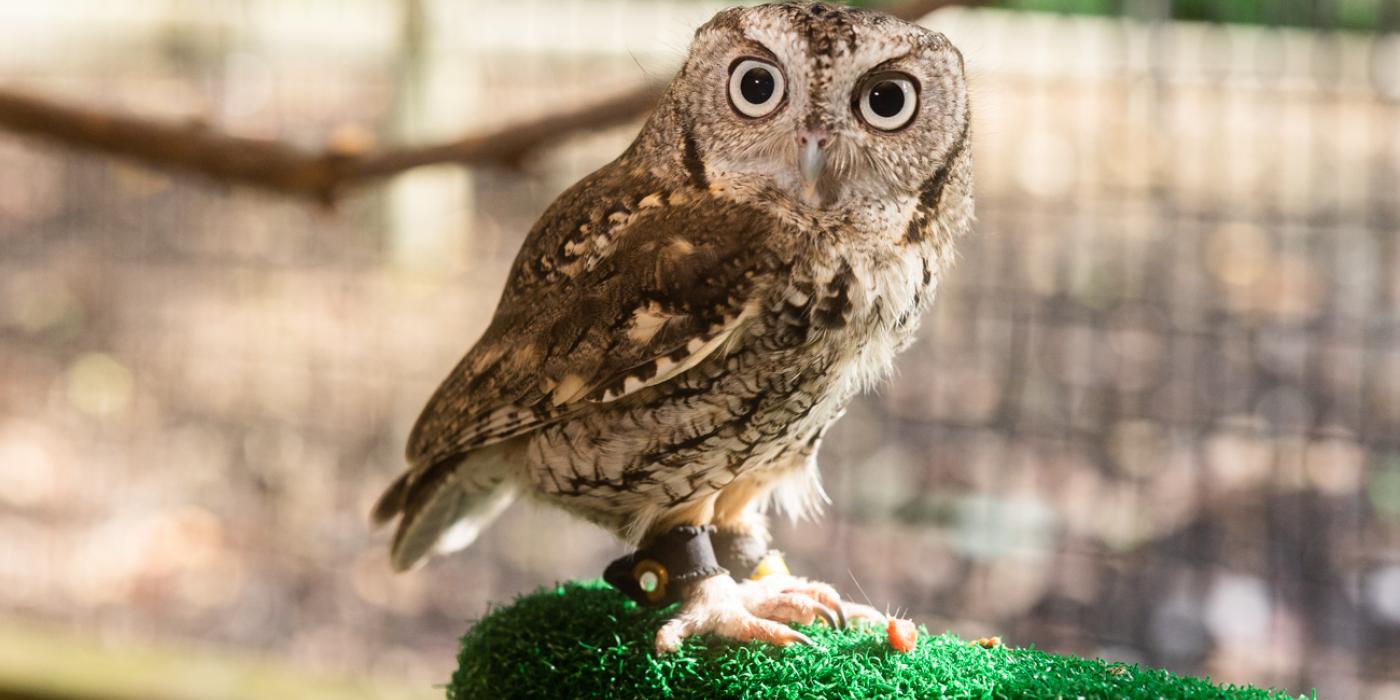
{"x": 600, "y": 306}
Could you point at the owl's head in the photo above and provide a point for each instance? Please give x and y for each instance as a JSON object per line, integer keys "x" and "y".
{"x": 832, "y": 105}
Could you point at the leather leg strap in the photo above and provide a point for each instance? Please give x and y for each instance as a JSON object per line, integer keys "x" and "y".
{"x": 656, "y": 574}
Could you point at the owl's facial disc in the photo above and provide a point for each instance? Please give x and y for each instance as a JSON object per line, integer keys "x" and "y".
{"x": 816, "y": 105}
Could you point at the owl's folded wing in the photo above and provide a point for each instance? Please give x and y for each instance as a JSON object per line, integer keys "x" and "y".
{"x": 634, "y": 307}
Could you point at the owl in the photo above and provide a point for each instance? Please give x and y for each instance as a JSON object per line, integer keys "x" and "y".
{"x": 681, "y": 327}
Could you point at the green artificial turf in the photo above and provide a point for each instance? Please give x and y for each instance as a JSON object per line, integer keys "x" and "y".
{"x": 585, "y": 640}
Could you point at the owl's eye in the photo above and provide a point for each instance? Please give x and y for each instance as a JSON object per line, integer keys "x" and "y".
{"x": 888, "y": 101}
{"x": 755, "y": 87}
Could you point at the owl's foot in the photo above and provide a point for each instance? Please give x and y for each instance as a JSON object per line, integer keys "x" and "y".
{"x": 761, "y": 610}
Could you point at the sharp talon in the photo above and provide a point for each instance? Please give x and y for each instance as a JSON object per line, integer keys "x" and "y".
{"x": 841, "y": 617}
{"x": 830, "y": 617}
{"x": 803, "y": 639}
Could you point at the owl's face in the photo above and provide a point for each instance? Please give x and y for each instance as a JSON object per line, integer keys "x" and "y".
{"x": 833, "y": 106}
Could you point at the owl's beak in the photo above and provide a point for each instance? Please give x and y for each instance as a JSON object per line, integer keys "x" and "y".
{"x": 811, "y": 162}
{"x": 811, "y": 156}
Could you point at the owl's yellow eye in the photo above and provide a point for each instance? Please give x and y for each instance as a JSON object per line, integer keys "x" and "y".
{"x": 756, "y": 87}
{"x": 888, "y": 101}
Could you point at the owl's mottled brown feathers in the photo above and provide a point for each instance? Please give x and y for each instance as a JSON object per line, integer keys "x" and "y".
{"x": 634, "y": 282}
{"x": 695, "y": 314}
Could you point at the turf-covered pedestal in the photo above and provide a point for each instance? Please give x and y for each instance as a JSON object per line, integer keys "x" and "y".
{"x": 585, "y": 640}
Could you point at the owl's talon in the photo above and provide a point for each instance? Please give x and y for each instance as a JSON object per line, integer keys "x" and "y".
{"x": 833, "y": 620}
{"x": 842, "y": 622}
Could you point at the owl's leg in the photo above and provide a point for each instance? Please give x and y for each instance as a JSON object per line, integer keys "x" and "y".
{"x": 749, "y": 609}
{"x": 741, "y": 532}
{"x": 741, "y": 541}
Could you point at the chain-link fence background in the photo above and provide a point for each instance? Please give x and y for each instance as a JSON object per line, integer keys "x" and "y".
{"x": 1155, "y": 415}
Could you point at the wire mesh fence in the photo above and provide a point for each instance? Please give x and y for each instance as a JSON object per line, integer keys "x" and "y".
{"x": 1155, "y": 414}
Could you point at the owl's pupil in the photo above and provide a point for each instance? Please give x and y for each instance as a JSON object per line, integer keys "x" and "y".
{"x": 886, "y": 99}
{"x": 757, "y": 86}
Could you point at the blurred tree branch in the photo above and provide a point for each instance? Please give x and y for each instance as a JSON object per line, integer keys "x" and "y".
{"x": 283, "y": 168}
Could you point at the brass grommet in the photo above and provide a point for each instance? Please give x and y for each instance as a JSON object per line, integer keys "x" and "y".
{"x": 651, "y": 578}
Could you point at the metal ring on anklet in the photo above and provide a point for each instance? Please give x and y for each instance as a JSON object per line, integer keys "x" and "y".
{"x": 652, "y": 578}
{"x": 655, "y": 574}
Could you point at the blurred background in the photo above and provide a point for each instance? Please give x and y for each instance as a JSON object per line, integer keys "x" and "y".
{"x": 1154, "y": 416}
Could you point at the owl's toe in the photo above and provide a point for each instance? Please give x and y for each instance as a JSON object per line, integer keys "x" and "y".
{"x": 770, "y": 587}
{"x": 795, "y": 608}
{"x": 864, "y": 613}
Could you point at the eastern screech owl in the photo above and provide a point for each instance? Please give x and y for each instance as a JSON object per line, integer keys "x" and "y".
{"x": 682, "y": 326}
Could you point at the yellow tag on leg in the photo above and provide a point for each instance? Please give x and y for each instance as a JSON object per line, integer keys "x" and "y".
{"x": 771, "y": 564}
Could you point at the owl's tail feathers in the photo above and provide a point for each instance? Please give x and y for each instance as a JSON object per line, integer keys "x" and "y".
{"x": 445, "y": 506}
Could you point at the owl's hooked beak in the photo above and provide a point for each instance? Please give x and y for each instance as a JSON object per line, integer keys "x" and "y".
{"x": 811, "y": 158}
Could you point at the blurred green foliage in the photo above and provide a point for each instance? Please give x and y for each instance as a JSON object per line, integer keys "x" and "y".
{"x": 1357, "y": 15}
